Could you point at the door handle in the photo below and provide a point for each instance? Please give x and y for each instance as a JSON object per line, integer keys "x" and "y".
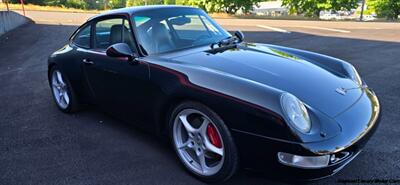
{"x": 87, "y": 61}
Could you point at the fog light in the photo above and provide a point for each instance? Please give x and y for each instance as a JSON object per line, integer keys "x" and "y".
{"x": 303, "y": 161}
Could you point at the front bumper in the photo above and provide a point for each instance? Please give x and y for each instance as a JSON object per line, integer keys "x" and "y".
{"x": 358, "y": 124}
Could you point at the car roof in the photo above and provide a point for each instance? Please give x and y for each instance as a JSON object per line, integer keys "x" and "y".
{"x": 135, "y": 9}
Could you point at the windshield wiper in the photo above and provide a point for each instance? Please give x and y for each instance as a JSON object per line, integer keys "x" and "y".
{"x": 223, "y": 45}
{"x": 224, "y": 42}
{"x": 227, "y": 43}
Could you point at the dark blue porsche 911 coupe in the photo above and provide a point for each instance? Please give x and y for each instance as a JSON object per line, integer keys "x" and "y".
{"x": 221, "y": 101}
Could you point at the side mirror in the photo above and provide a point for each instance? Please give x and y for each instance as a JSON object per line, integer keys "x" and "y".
{"x": 239, "y": 35}
{"x": 120, "y": 50}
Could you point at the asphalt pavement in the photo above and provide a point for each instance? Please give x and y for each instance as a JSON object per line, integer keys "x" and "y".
{"x": 41, "y": 145}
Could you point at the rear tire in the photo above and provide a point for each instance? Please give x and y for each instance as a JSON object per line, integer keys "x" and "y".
{"x": 203, "y": 142}
{"x": 62, "y": 91}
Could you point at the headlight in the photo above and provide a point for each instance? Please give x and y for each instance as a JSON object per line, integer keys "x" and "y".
{"x": 296, "y": 112}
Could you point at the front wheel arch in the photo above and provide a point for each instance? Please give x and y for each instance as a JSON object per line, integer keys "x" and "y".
{"x": 166, "y": 109}
{"x": 74, "y": 105}
{"x": 49, "y": 68}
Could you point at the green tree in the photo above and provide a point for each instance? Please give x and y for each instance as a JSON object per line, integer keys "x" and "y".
{"x": 195, "y": 3}
{"x": 95, "y": 4}
{"x": 81, "y": 4}
{"x": 169, "y": 2}
{"x": 232, "y": 6}
{"x": 312, "y": 8}
{"x": 36, "y": 2}
{"x": 386, "y": 8}
{"x": 112, "y": 4}
{"x": 143, "y": 2}
{"x": 227, "y": 6}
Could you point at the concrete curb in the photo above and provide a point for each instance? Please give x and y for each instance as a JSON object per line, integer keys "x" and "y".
{"x": 11, "y": 20}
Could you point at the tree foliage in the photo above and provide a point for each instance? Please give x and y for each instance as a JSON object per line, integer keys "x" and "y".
{"x": 386, "y": 8}
{"x": 116, "y": 4}
{"x": 80, "y": 4}
{"x": 143, "y": 2}
{"x": 312, "y": 8}
{"x": 227, "y": 6}
{"x": 167, "y": 2}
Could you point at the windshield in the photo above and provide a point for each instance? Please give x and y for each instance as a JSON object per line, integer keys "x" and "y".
{"x": 174, "y": 29}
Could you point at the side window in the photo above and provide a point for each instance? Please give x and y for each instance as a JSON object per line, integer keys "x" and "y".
{"x": 112, "y": 31}
{"x": 82, "y": 39}
{"x": 127, "y": 35}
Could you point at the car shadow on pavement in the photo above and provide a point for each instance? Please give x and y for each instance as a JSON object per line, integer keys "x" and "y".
{"x": 41, "y": 145}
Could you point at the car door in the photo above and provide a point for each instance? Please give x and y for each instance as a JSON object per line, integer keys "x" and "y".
{"x": 81, "y": 42}
{"x": 119, "y": 87}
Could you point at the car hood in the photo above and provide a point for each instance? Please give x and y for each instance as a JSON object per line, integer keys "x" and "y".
{"x": 312, "y": 84}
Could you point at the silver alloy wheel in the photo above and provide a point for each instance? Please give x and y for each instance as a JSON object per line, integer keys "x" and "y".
{"x": 60, "y": 89}
{"x": 193, "y": 144}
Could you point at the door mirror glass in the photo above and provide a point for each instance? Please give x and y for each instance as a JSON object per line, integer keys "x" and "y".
{"x": 120, "y": 50}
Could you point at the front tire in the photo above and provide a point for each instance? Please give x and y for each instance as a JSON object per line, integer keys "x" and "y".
{"x": 203, "y": 142}
{"x": 63, "y": 94}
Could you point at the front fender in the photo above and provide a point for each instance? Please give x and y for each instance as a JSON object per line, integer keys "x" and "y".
{"x": 238, "y": 101}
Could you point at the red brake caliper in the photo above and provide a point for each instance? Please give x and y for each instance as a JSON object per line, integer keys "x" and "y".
{"x": 212, "y": 134}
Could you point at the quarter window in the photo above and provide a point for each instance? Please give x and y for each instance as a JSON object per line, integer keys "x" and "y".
{"x": 82, "y": 39}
